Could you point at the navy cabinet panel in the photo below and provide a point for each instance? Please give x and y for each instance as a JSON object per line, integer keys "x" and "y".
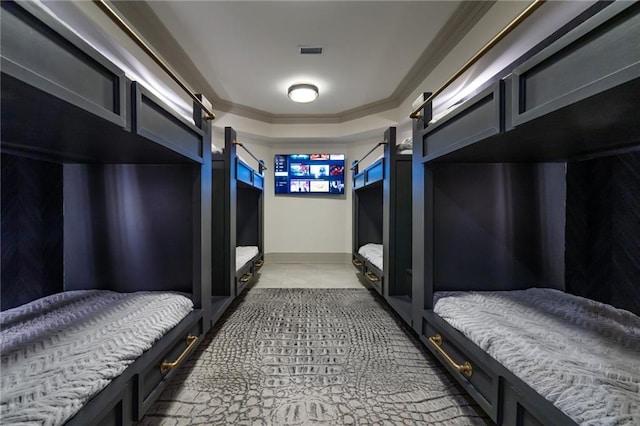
{"x": 480, "y": 117}
{"x": 43, "y": 53}
{"x": 156, "y": 122}
{"x": 152, "y": 379}
{"x": 594, "y": 57}
{"x": 483, "y": 382}
{"x": 258, "y": 181}
{"x": 244, "y": 173}
{"x": 374, "y": 172}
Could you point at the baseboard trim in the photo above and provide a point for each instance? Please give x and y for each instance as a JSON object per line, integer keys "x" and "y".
{"x": 307, "y": 257}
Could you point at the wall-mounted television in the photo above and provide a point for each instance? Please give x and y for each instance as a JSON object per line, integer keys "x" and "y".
{"x": 309, "y": 174}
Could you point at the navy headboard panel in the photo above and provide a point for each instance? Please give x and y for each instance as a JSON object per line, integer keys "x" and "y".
{"x": 603, "y": 230}
{"x": 498, "y": 226}
{"x": 128, "y": 227}
{"x": 248, "y": 217}
{"x": 31, "y": 230}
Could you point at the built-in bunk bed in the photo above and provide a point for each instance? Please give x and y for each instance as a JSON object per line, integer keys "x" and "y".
{"x": 237, "y": 220}
{"x": 105, "y": 262}
{"x": 382, "y": 222}
{"x": 529, "y": 292}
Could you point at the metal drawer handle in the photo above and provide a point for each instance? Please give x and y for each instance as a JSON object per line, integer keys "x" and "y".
{"x": 259, "y": 263}
{"x": 465, "y": 368}
{"x": 372, "y": 277}
{"x": 246, "y": 277}
{"x": 166, "y": 365}
{"x": 356, "y": 262}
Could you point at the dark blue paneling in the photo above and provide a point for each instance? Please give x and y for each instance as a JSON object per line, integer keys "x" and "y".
{"x": 244, "y": 173}
{"x": 31, "y": 230}
{"x": 248, "y": 217}
{"x": 496, "y": 225}
{"x": 603, "y": 230}
{"x": 128, "y": 227}
{"x": 375, "y": 172}
{"x": 258, "y": 181}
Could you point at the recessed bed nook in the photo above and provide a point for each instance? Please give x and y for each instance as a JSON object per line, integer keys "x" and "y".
{"x": 382, "y": 194}
{"x": 60, "y": 350}
{"x": 528, "y": 292}
{"x": 238, "y": 234}
{"x": 102, "y": 254}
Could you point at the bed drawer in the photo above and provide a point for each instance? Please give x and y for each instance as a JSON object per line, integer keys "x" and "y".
{"x": 43, "y": 53}
{"x": 358, "y": 262}
{"x": 244, "y": 277}
{"x": 112, "y": 406}
{"x": 153, "y": 379}
{"x": 475, "y": 376}
{"x": 374, "y": 276}
{"x": 522, "y": 406}
{"x": 480, "y": 117}
{"x": 514, "y": 412}
{"x": 596, "y": 56}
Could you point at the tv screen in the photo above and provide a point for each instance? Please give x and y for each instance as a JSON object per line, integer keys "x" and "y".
{"x": 309, "y": 174}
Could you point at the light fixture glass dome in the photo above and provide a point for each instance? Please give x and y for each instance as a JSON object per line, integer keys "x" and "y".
{"x": 303, "y": 93}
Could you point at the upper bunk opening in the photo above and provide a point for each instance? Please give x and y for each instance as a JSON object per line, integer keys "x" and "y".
{"x": 89, "y": 158}
{"x": 574, "y": 98}
{"x": 520, "y": 181}
{"x": 48, "y": 112}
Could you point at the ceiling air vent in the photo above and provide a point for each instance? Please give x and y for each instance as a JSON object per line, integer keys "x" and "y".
{"x": 310, "y": 50}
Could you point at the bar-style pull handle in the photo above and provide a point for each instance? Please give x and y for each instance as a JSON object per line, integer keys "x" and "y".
{"x": 356, "y": 262}
{"x": 246, "y": 277}
{"x": 465, "y": 368}
{"x": 259, "y": 263}
{"x": 166, "y": 365}
{"x": 372, "y": 277}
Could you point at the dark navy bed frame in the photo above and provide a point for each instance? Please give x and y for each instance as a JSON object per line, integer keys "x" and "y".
{"x": 78, "y": 137}
{"x": 382, "y": 215}
{"x": 493, "y": 176}
{"x": 238, "y": 217}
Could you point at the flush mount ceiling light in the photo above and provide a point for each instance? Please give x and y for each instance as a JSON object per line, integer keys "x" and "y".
{"x": 303, "y": 93}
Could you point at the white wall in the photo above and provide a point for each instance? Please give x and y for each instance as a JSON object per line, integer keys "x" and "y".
{"x": 308, "y": 224}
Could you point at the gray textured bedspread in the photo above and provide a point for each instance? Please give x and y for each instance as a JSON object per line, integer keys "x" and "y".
{"x": 373, "y": 253}
{"x": 582, "y": 355}
{"x": 58, "y": 351}
{"x": 244, "y": 254}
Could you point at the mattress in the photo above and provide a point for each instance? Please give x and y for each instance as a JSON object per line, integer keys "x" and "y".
{"x": 58, "y": 351}
{"x": 373, "y": 253}
{"x": 244, "y": 254}
{"x": 582, "y": 355}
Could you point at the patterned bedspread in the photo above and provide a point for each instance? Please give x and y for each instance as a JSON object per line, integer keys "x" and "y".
{"x": 582, "y": 355}
{"x": 373, "y": 253}
{"x": 245, "y": 254}
{"x": 58, "y": 351}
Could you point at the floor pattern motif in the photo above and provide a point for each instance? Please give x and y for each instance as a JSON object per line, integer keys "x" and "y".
{"x": 311, "y": 357}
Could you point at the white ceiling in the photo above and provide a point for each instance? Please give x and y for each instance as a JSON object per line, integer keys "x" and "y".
{"x": 246, "y": 52}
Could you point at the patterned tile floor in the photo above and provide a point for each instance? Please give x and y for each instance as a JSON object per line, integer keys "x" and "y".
{"x": 311, "y": 356}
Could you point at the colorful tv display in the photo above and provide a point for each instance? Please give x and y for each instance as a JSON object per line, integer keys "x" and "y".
{"x": 309, "y": 174}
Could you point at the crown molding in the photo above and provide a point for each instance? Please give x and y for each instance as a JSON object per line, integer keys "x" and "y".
{"x": 454, "y": 30}
{"x": 464, "y": 18}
